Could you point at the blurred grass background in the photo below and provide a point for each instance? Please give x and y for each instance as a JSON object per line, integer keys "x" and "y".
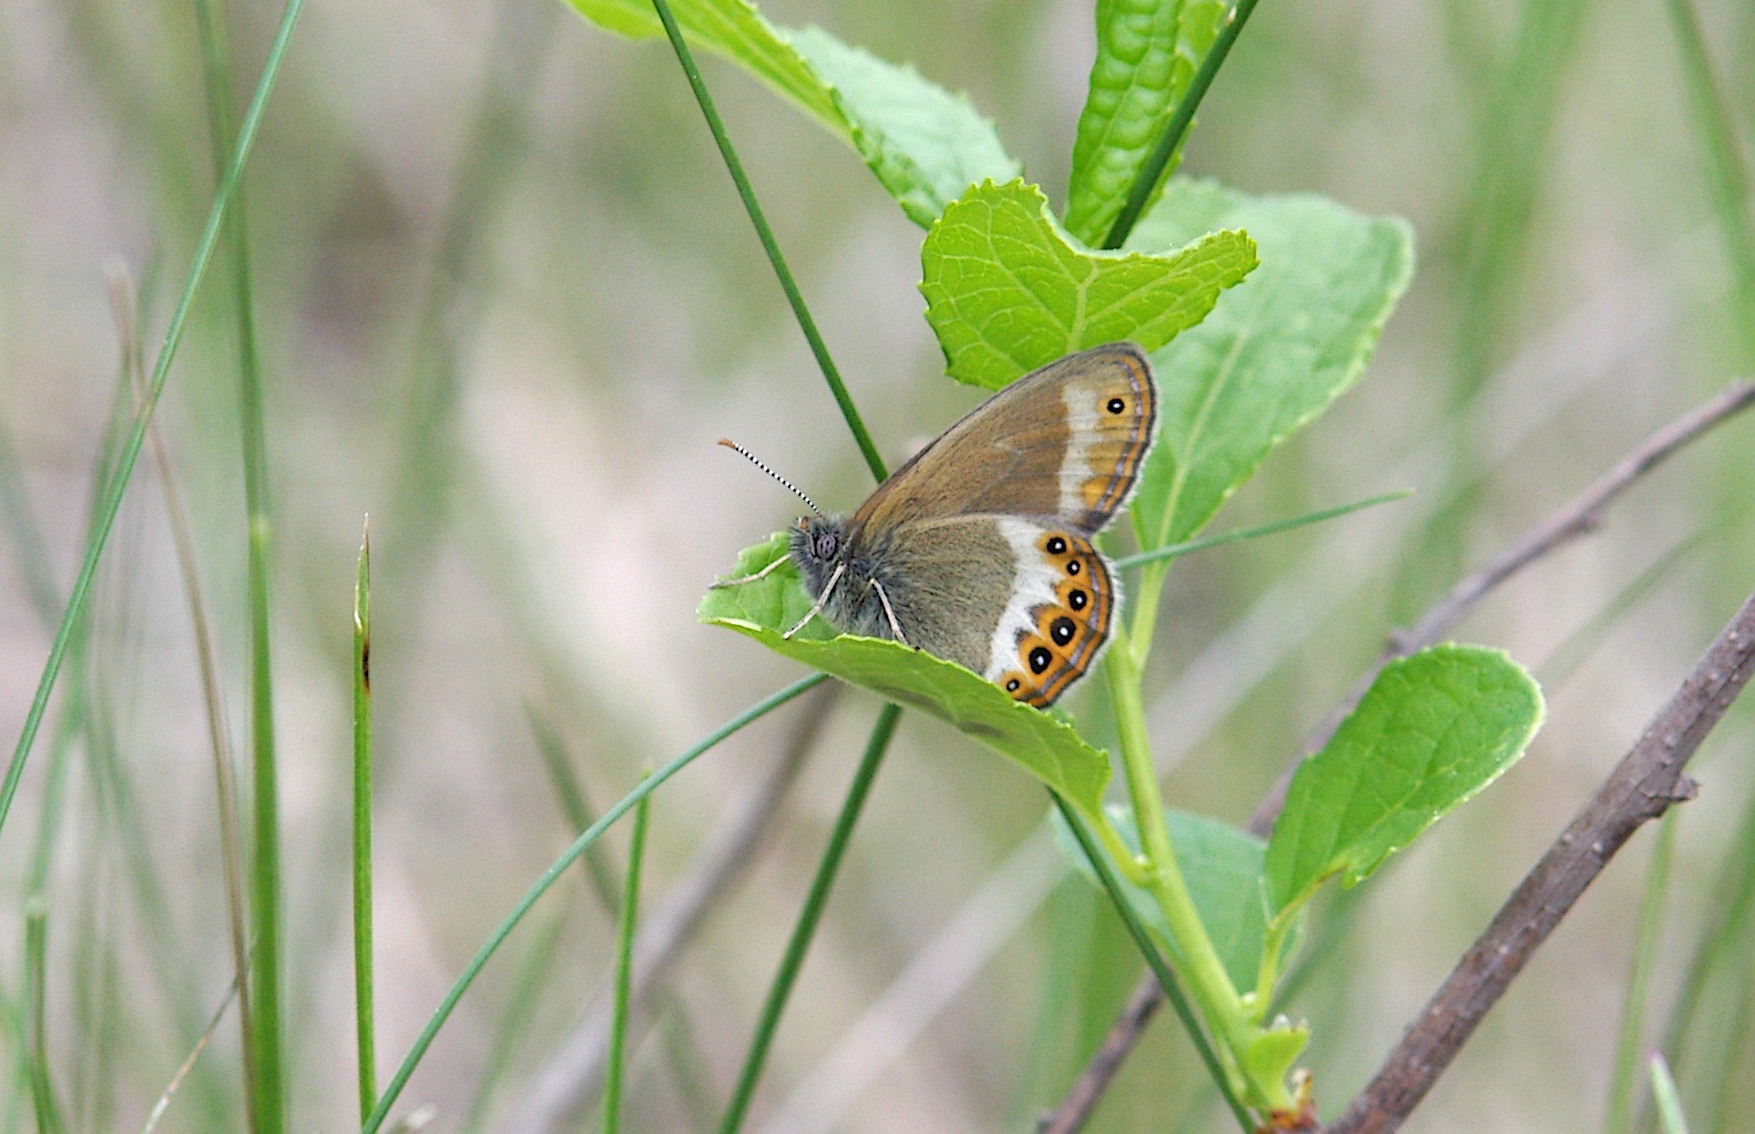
{"x": 507, "y": 301}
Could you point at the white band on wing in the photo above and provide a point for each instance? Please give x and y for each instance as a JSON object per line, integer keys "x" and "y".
{"x": 1081, "y": 433}
{"x": 1033, "y": 585}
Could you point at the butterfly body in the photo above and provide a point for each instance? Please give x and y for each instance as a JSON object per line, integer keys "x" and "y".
{"x": 979, "y": 549}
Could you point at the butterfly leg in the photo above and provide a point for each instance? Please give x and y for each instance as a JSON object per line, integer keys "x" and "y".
{"x": 895, "y": 627}
{"x": 738, "y": 582}
{"x": 828, "y": 589}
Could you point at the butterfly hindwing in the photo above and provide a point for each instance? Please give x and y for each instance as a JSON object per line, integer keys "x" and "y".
{"x": 1026, "y": 603}
{"x": 1057, "y": 622}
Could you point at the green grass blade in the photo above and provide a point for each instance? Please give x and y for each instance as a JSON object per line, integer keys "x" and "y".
{"x": 1171, "y": 551}
{"x": 624, "y": 975}
{"x": 117, "y": 483}
{"x": 18, "y": 520}
{"x": 428, "y": 460}
{"x": 530, "y": 983}
{"x": 680, "y": 1046}
{"x": 574, "y": 805}
{"x": 1727, "y": 173}
{"x": 1514, "y": 124}
{"x": 1669, "y": 1103}
{"x": 1722, "y": 954}
{"x": 267, "y": 1086}
{"x": 170, "y": 1092}
{"x": 182, "y": 528}
{"x": 806, "y": 323}
{"x": 362, "y": 829}
{"x": 583, "y": 843}
{"x": 802, "y": 933}
{"x": 1630, "y": 1044}
{"x": 1729, "y": 1098}
{"x": 36, "y": 948}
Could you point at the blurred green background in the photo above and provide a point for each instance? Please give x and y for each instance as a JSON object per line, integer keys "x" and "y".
{"x": 507, "y": 301}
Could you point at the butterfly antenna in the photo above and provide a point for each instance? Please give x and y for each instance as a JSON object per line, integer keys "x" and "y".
{"x": 756, "y": 461}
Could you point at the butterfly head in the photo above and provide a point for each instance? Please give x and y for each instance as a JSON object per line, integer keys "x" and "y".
{"x": 819, "y": 543}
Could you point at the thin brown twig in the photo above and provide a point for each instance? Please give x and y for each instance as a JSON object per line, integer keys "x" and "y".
{"x": 1643, "y": 785}
{"x": 1577, "y": 517}
{"x": 1075, "y": 1109}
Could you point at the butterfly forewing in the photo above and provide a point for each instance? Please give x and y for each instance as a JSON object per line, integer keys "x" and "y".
{"x": 1066, "y": 440}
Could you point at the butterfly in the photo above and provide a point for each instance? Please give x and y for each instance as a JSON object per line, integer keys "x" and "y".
{"x": 979, "y": 549}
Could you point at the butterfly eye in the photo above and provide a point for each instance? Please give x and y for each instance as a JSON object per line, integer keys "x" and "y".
{"x": 827, "y": 545}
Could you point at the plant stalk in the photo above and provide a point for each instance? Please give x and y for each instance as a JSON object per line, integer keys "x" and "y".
{"x": 1197, "y": 961}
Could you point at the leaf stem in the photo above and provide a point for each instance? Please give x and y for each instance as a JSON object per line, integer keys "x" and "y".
{"x": 769, "y": 245}
{"x": 1177, "y": 128}
{"x": 802, "y": 933}
{"x": 1192, "y": 949}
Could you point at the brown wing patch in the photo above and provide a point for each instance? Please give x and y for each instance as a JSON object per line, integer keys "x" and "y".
{"x": 1069, "y": 633}
{"x": 1033, "y": 448}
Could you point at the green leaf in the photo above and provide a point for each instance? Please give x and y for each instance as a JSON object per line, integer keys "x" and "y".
{"x": 1043, "y": 744}
{"x": 1222, "y": 867}
{"x": 1433, "y": 730}
{"x": 1007, "y": 292}
{"x": 1275, "y": 351}
{"x": 733, "y": 30}
{"x": 925, "y": 145}
{"x": 1273, "y": 1050}
{"x": 1147, "y": 54}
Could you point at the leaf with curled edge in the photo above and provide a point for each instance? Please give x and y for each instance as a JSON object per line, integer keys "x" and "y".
{"x": 1007, "y": 290}
{"x": 1044, "y": 744}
